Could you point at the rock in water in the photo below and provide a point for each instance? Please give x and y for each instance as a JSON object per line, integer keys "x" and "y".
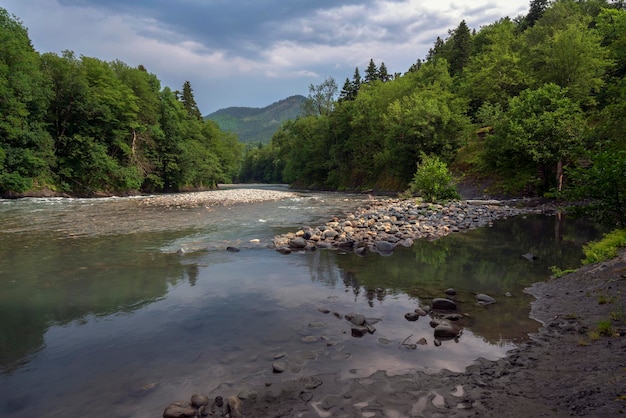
{"x": 485, "y": 299}
{"x": 529, "y": 256}
{"x": 420, "y": 312}
{"x": 384, "y": 248}
{"x": 412, "y": 316}
{"x": 358, "y": 319}
{"x": 199, "y": 400}
{"x": 359, "y": 330}
{"x": 446, "y": 330}
{"x": 297, "y": 243}
{"x": 279, "y": 366}
{"x": 450, "y": 292}
{"x": 233, "y": 407}
{"x": 442, "y": 303}
{"x": 178, "y": 411}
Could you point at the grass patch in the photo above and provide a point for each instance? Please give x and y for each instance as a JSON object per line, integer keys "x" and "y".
{"x": 594, "y": 335}
{"x": 557, "y": 272}
{"x": 606, "y": 248}
{"x": 605, "y": 328}
{"x": 605, "y": 300}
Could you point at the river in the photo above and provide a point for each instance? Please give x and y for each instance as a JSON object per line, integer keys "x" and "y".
{"x": 103, "y": 315}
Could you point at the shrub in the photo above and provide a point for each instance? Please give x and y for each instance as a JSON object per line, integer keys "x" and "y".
{"x": 606, "y": 248}
{"x": 433, "y": 180}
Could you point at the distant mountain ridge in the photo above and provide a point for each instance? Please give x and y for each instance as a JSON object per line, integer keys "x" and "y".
{"x": 252, "y": 124}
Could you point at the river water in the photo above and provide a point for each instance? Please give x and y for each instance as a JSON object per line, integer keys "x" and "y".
{"x": 101, "y": 315}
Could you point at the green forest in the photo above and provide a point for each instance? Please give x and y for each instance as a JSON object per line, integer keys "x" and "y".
{"x": 532, "y": 105}
{"x": 82, "y": 126}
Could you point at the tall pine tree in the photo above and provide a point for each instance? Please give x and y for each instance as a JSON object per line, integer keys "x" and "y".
{"x": 189, "y": 102}
{"x": 461, "y": 48}
{"x": 371, "y": 72}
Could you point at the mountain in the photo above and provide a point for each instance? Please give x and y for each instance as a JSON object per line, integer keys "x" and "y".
{"x": 253, "y": 124}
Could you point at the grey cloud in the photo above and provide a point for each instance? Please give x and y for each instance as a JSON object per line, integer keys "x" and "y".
{"x": 221, "y": 24}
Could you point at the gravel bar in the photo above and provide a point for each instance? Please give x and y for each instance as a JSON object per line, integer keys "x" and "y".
{"x": 215, "y": 197}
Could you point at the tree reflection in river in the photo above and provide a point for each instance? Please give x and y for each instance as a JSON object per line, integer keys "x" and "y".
{"x": 486, "y": 260}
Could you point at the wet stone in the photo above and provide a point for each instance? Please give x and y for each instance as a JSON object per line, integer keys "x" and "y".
{"x": 279, "y": 366}
{"x": 411, "y": 316}
{"x": 443, "y": 303}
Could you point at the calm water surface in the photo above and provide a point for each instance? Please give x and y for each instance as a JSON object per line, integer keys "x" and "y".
{"x": 100, "y": 316}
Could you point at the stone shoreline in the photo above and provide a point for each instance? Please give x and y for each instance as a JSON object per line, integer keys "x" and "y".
{"x": 383, "y": 224}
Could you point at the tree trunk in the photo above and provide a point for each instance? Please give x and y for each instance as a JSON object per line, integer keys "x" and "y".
{"x": 559, "y": 175}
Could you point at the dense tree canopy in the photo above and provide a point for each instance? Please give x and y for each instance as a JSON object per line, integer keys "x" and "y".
{"x": 533, "y": 104}
{"x": 85, "y": 126}
{"x": 523, "y": 103}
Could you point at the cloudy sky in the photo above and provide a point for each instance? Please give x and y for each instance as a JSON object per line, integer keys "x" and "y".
{"x": 251, "y": 52}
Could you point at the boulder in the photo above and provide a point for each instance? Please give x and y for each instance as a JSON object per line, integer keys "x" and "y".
{"x": 359, "y": 330}
{"x": 412, "y": 316}
{"x": 485, "y": 299}
{"x": 297, "y": 243}
{"x": 447, "y": 330}
{"x": 345, "y": 244}
{"x": 178, "y": 411}
{"x": 199, "y": 400}
{"x": 384, "y": 247}
{"x": 453, "y": 317}
{"x": 358, "y": 319}
{"x": 233, "y": 407}
{"x": 529, "y": 256}
{"x": 420, "y": 312}
{"x": 279, "y": 366}
{"x": 370, "y": 328}
{"x": 443, "y": 303}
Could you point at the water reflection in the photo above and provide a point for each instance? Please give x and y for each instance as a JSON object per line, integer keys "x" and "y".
{"x": 487, "y": 261}
{"x": 122, "y": 323}
{"x": 54, "y": 282}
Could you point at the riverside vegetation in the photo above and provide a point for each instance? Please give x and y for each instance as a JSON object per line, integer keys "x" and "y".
{"x": 528, "y": 105}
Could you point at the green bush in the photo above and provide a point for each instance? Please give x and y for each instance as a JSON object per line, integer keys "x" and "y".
{"x": 606, "y": 248}
{"x": 433, "y": 180}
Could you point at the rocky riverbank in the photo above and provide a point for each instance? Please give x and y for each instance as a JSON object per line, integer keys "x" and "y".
{"x": 381, "y": 225}
{"x": 574, "y": 366}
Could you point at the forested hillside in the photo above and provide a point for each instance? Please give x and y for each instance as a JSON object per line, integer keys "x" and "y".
{"x": 83, "y": 126}
{"x": 535, "y": 104}
{"x": 257, "y": 125}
